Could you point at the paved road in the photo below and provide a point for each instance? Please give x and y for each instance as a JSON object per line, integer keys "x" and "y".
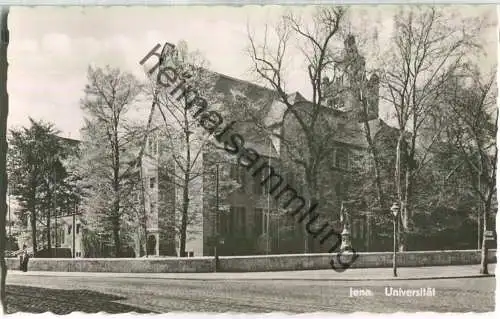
{"x": 356, "y": 274}
{"x": 114, "y": 294}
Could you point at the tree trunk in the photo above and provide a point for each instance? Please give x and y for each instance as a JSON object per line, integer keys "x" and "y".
{"x": 399, "y": 191}
{"x": 375, "y": 156}
{"x": 405, "y": 212}
{"x": 185, "y": 187}
{"x": 185, "y": 208}
{"x": 49, "y": 240}
{"x": 4, "y": 110}
{"x": 116, "y": 238}
{"x": 34, "y": 240}
{"x": 314, "y": 196}
{"x": 116, "y": 201}
{"x": 484, "y": 248}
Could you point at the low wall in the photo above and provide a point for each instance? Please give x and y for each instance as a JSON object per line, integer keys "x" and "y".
{"x": 251, "y": 263}
{"x": 365, "y": 260}
{"x": 119, "y": 265}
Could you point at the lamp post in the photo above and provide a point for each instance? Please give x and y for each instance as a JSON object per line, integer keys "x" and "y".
{"x": 10, "y": 221}
{"x": 395, "y": 213}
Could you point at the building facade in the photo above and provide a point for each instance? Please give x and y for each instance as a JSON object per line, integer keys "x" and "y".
{"x": 252, "y": 222}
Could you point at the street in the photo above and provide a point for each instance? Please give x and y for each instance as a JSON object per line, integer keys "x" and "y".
{"x": 63, "y": 293}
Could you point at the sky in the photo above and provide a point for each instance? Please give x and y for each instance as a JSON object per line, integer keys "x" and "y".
{"x": 51, "y": 48}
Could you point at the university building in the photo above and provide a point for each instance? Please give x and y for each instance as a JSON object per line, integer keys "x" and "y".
{"x": 252, "y": 222}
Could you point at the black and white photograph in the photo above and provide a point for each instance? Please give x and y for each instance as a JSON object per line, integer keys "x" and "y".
{"x": 248, "y": 159}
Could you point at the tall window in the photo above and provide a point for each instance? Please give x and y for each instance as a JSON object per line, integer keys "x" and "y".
{"x": 238, "y": 217}
{"x": 226, "y": 224}
{"x": 62, "y": 238}
{"x": 257, "y": 221}
{"x": 152, "y": 145}
{"x": 238, "y": 173}
{"x": 152, "y": 182}
{"x": 152, "y": 206}
{"x": 341, "y": 190}
{"x": 258, "y": 188}
{"x": 342, "y": 158}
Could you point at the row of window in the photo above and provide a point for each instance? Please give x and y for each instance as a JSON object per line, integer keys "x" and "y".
{"x": 240, "y": 174}
{"x": 235, "y": 222}
{"x": 242, "y": 177}
{"x": 70, "y": 227}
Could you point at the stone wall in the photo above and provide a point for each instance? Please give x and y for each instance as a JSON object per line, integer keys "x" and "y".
{"x": 365, "y": 260}
{"x": 121, "y": 265}
{"x": 250, "y": 263}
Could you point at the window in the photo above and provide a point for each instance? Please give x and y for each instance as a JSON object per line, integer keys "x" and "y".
{"x": 341, "y": 158}
{"x": 225, "y": 224}
{"x": 152, "y": 182}
{"x": 152, "y": 206}
{"x": 341, "y": 190}
{"x": 238, "y": 220}
{"x": 152, "y": 145}
{"x": 77, "y": 228}
{"x": 258, "y": 221}
{"x": 238, "y": 174}
{"x": 361, "y": 229}
{"x": 258, "y": 188}
{"x": 69, "y": 229}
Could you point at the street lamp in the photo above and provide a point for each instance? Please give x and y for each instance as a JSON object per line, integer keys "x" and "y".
{"x": 216, "y": 239}
{"x": 395, "y": 213}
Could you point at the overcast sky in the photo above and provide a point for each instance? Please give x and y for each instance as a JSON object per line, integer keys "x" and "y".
{"x": 51, "y": 48}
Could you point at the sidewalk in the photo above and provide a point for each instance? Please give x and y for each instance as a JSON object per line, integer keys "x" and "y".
{"x": 406, "y": 273}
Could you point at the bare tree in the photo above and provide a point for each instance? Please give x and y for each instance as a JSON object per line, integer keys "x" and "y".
{"x": 109, "y": 96}
{"x": 269, "y": 64}
{"x": 427, "y": 47}
{"x": 180, "y": 132}
{"x": 472, "y": 130}
{"x": 338, "y": 81}
{"x": 4, "y": 111}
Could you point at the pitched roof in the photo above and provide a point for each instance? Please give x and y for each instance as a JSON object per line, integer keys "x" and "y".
{"x": 295, "y": 98}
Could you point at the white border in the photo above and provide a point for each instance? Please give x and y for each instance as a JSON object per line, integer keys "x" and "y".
{"x": 239, "y": 3}
{"x": 228, "y": 2}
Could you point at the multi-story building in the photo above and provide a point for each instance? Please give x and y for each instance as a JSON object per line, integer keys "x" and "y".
{"x": 71, "y": 235}
{"x": 252, "y": 222}
{"x": 158, "y": 198}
